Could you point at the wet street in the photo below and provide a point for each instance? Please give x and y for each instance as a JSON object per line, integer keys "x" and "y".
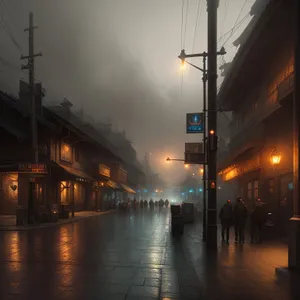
{"x": 131, "y": 255}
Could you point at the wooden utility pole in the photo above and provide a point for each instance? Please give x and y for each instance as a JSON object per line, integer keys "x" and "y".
{"x": 294, "y": 245}
{"x": 212, "y": 7}
{"x": 30, "y": 66}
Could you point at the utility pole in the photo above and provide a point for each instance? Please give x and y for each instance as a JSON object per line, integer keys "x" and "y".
{"x": 30, "y": 66}
{"x": 294, "y": 243}
{"x": 204, "y": 79}
{"x": 204, "y": 56}
{"x": 212, "y": 7}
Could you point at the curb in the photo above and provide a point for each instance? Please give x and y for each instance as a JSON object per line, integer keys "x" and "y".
{"x": 49, "y": 225}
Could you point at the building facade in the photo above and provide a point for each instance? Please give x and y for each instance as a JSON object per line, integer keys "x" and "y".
{"x": 258, "y": 90}
{"x": 78, "y": 169}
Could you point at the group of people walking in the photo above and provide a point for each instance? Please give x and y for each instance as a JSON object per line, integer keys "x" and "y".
{"x": 143, "y": 204}
{"x": 236, "y": 215}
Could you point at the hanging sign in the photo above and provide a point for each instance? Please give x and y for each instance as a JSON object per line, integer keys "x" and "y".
{"x": 194, "y": 123}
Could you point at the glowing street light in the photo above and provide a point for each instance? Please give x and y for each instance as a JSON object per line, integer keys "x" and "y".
{"x": 275, "y": 158}
{"x": 186, "y": 166}
{"x": 201, "y": 170}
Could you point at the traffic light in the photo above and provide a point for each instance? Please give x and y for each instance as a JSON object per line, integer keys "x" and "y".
{"x": 212, "y": 141}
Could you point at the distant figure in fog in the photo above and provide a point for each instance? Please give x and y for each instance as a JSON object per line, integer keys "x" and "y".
{"x": 166, "y": 203}
{"x": 258, "y": 219}
{"x": 226, "y": 216}
{"x": 161, "y": 203}
{"x": 151, "y": 203}
{"x": 240, "y": 216}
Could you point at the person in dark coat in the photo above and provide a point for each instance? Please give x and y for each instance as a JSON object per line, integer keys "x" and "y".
{"x": 240, "y": 217}
{"x": 226, "y": 217}
{"x": 258, "y": 219}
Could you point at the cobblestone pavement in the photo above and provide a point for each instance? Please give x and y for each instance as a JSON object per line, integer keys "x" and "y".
{"x": 132, "y": 256}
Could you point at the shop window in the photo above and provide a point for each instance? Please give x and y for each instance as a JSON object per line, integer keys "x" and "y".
{"x": 249, "y": 191}
{"x": 271, "y": 186}
{"x": 256, "y": 189}
{"x": 66, "y": 152}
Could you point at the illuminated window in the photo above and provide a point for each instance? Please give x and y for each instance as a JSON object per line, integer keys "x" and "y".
{"x": 66, "y": 152}
{"x": 249, "y": 191}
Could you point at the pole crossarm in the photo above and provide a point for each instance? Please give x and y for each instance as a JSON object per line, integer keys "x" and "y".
{"x": 174, "y": 159}
{"x": 183, "y": 55}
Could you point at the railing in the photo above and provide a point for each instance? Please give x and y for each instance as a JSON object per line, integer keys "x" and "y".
{"x": 285, "y": 87}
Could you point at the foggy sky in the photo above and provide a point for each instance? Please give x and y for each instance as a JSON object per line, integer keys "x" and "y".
{"x": 118, "y": 59}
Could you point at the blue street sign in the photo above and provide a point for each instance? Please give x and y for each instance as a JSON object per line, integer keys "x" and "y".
{"x": 194, "y": 123}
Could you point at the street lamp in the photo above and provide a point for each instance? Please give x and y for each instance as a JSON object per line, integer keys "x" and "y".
{"x": 204, "y": 55}
{"x": 275, "y": 158}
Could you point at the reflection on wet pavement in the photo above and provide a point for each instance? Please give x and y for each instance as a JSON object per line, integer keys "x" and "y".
{"x": 132, "y": 256}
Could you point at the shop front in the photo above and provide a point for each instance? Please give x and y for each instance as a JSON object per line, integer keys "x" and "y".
{"x": 75, "y": 189}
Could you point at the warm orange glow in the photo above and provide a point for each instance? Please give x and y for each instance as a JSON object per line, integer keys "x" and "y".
{"x": 202, "y": 171}
{"x": 186, "y": 166}
{"x": 211, "y": 132}
{"x": 66, "y": 148}
{"x": 156, "y": 191}
{"x": 275, "y": 159}
{"x": 182, "y": 66}
{"x": 230, "y": 175}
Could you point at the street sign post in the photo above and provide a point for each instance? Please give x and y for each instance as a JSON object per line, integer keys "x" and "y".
{"x": 194, "y": 158}
{"x": 194, "y": 148}
{"x": 194, "y": 154}
{"x": 194, "y": 123}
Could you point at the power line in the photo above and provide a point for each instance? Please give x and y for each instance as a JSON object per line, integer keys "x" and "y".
{"x": 232, "y": 32}
{"x": 182, "y": 13}
{"x": 234, "y": 28}
{"x": 224, "y": 19}
{"x": 186, "y": 18}
{"x": 199, "y": 13}
{"x": 4, "y": 24}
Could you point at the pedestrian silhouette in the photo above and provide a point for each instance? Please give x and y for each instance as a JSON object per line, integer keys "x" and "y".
{"x": 240, "y": 216}
{"x": 226, "y": 217}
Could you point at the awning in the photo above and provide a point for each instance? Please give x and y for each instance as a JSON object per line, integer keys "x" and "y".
{"x": 113, "y": 185}
{"x": 77, "y": 173}
{"x": 128, "y": 189}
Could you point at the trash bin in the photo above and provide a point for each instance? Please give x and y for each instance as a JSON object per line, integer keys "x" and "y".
{"x": 177, "y": 224}
{"x": 22, "y": 215}
{"x": 177, "y": 220}
{"x": 188, "y": 212}
{"x": 175, "y": 209}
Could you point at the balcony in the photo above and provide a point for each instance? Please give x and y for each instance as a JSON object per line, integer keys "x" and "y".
{"x": 285, "y": 87}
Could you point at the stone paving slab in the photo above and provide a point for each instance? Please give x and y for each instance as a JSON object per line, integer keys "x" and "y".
{"x": 131, "y": 255}
{"x": 7, "y": 223}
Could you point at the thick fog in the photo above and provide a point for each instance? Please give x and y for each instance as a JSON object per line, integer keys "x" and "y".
{"x": 118, "y": 59}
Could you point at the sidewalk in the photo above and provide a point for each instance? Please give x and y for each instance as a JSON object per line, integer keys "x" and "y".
{"x": 8, "y": 223}
{"x": 239, "y": 271}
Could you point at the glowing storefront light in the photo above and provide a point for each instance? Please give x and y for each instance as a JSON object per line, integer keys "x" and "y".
{"x": 230, "y": 175}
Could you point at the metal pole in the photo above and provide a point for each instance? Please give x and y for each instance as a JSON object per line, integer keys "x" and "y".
{"x": 296, "y": 110}
{"x": 204, "y": 79}
{"x": 294, "y": 242}
{"x": 212, "y": 6}
{"x": 32, "y": 89}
